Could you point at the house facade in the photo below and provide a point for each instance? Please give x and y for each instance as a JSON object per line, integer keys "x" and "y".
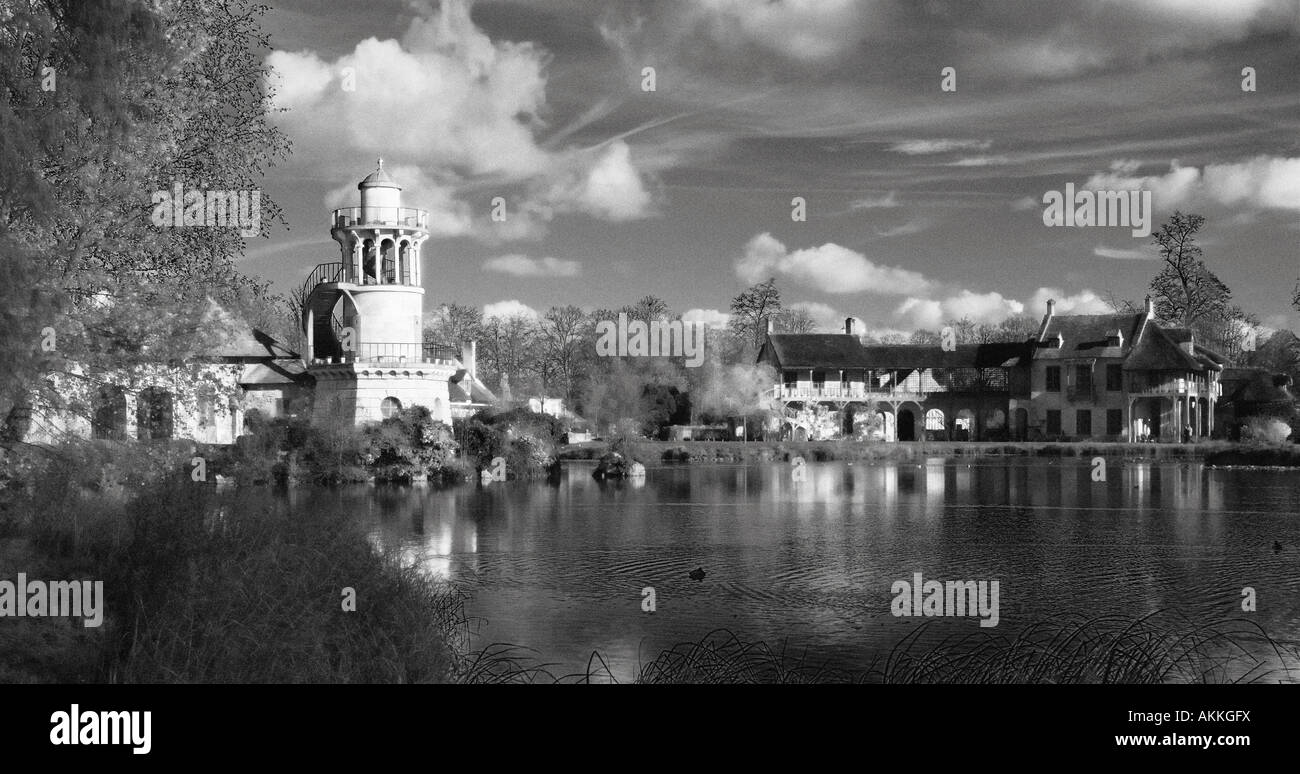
{"x": 1118, "y": 377}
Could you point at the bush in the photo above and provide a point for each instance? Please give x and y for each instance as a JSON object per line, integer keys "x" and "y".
{"x": 1265, "y": 430}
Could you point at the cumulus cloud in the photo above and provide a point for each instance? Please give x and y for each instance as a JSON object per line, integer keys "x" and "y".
{"x": 710, "y": 317}
{"x": 830, "y": 268}
{"x": 1264, "y": 182}
{"x": 454, "y": 107}
{"x": 509, "y": 309}
{"x": 523, "y": 266}
{"x": 989, "y": 307}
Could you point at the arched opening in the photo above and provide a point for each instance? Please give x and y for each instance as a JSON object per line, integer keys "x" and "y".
{"x": 404, "y": 252}
{"x": 389, "y": 264}
{"x": 153, "y": 414}
{"x": 369, "y": 271}
{"x": 964, "y": 425}
{"x": 390, "y": 407}
{"x": 109, "y": 419}
{"x": 906, "y": 425}
{"x": 934, "y": 427}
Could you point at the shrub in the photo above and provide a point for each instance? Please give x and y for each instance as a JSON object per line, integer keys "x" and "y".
{"x": 1265, "y": 430}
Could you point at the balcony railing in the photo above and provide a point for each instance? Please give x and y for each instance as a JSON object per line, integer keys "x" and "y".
{"x": 1174, "y": 387}
{"x": 398, "y": 353}
{"x": 840, "y": 392}
{"x": 403, "y": 217}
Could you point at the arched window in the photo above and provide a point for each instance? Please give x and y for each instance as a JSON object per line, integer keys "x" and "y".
{"x": 934, "y": 419}
{"x": 153, "y": 414}
{"x": 389, "y": 407}
{"x": 966, "y": 420}
{"x": 109, "y": 420}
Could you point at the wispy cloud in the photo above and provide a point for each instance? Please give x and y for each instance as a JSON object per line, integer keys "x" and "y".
{"x": 523, "y": 266}
{"x": 1101, "y": 251}
{"x": 922, "y": 147}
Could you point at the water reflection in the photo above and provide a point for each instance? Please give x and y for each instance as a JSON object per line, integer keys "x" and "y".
{"x": 559, "y": 567}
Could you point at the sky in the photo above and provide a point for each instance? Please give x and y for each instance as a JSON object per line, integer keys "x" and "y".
{"x": 922, "y": 203}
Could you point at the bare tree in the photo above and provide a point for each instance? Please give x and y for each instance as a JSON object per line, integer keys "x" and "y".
{"x": 1185, "y": 290}
{"x": 750, "y": 312}
{"x": 795, "y": 321}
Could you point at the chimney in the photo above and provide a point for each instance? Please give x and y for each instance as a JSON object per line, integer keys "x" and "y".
{"x": 848, "y": 325}
{"x": 1151, "y": 307}
{"x": 769, "y": 324}
{"x": 469, "y": 357}
{"x": 1051, "y": 307}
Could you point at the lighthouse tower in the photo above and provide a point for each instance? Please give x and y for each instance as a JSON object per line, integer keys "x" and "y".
{"x": 362, "y": 314}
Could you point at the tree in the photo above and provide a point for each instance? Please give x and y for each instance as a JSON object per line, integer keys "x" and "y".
{"x": 647, "y": 310}
{"x": 795, "y": 321}
{"x": 144, "y": 94}
{"x": 454, "y": 325}
{"x": 1185, "y": 290}
{"x": 564, "y": 330}
{"x": 750, "y": 312}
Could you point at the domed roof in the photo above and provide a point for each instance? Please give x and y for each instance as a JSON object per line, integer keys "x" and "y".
{"x": 379, "y": 179}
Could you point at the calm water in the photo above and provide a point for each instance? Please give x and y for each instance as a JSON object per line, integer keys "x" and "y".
{"x": 560, "y": 569}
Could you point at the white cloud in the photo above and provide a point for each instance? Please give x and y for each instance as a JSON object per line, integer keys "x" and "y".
{"x": 1101, "y": 251}
{"x": 980, "y": 161}
{"x": 805, "y": 30}
{"x": 989, "y": 307}
{"x": 919, "y": 147}
{"x": 830, "y": 268}
{"x": 873, "y": 202}
{"x": 609, "y": 187}
{"x": 913, "y": 226}
{"x": 509, "y": 309}
{"x": 523, "y": 266}
{"x": 1264, "y": 182}
{"x": 1084, "y": 302}
{"x": 710, "y": 317}
{"x": 447, "y": 101}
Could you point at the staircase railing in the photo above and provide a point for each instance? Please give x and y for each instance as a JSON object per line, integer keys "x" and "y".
{"x": 325, "y": 272}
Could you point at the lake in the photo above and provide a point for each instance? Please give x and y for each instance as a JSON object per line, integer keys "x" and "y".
{"x": 561, "y": 568}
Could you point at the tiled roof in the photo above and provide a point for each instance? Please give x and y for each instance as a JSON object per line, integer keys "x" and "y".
{"x": 1158, "y": 352}
{"x": 840, "y": 350}
{"x": 1086, "y": 333}
{"x": 816, "y": 350}
{"x": 274, "y": 372}
{"x": 252, "y": 344}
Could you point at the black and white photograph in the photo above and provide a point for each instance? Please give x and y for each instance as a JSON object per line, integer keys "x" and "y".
{"x": 650, "y": 341}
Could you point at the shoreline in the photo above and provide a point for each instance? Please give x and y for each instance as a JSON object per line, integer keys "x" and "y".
{"x": 1217, "y": 453}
